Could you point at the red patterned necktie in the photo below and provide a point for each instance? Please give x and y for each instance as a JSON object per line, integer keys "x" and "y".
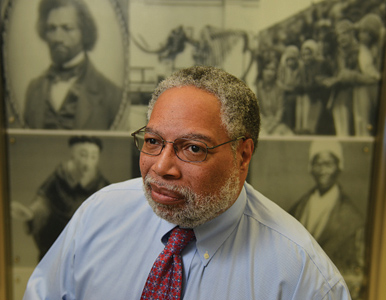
{"x": 165, "y": 278}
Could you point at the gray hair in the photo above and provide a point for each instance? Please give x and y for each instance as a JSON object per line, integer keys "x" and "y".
{"x": 239, "y": 106}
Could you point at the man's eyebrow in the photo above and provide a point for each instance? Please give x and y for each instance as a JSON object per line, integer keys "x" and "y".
{"x": 197, "y": 136}
{"x": 194, "y": 136}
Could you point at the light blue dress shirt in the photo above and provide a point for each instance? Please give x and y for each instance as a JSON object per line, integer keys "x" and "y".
{"x": 254, "y": 250}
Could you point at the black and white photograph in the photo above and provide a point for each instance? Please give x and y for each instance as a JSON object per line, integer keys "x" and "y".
{"x": 66, "y": 64}
{"x": 78, "y": 77}
{"x": 315, "y": 65}
{"x": 325, "y": 184}
{"x": 57, "y": 173}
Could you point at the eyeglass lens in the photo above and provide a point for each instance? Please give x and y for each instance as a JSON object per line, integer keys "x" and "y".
{"x": 185, "y": 149}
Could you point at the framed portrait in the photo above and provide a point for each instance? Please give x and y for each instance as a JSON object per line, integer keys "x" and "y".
{"x": 316, "y": 66}
{"x": 305, "y": 176}
{"x": 40, "y": 48}
{"x": 62, "y": 160}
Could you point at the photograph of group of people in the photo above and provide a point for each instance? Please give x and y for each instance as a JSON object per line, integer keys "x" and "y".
{"x": 321, "y": 74}
{"x": 317, "y": 76}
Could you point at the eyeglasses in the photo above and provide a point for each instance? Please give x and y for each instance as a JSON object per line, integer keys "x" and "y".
{"x": 188, "y": 150}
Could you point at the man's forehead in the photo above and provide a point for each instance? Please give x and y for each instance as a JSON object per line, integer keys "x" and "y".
{"x": 188, "y": 95}
{"x": 85, "y": 145}
{"x": 187, "y": 101}
{"x": 187, "y": 110}
{"x": 325, "y": 155}
{"x": 67, "y": 12}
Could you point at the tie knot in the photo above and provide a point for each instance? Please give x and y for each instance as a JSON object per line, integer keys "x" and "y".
{"x": 179, "y": 239}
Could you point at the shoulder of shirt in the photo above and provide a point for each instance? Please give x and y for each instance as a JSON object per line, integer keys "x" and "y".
{"x": 269, "y": 214}
{"x": 281, "y": 224}
{"x": 131, "y": 184}
{"x": 123, "y": 192}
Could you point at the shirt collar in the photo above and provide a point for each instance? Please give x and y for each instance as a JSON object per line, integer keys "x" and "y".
{"x": 79, "y": 58}
{"x": 332, "y": 193}
{"x": 165, "y": 228}
{"x": 212, "y": 234}
{"x": 70, "y": 70}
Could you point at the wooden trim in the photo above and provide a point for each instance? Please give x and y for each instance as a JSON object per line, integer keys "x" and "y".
{"x": 5, "y": 241}
{"x": 377, "y": 212}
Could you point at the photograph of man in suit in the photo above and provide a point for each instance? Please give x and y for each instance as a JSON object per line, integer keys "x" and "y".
{"x": 330, "y": 215}
{"x": 72, "y": 93}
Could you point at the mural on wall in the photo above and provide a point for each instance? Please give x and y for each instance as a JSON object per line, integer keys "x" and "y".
{"x": 317, "y": 73}
{"x": 314, "y": 65}
{"x": 210, "y": 48}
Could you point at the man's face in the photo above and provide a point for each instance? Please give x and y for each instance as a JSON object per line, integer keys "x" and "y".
{"x": 269, "y": 72}
{"x": 189, "y": 194}
{"x": 325, "y": 170}
{"x": 63, "y": 34}
{"x": 85, "y": 157}
{"x": 292, "y": 63}
{"x": 307, "y": 55}
{"x": 365, "y": 37}
{"x": 345, "y": 38}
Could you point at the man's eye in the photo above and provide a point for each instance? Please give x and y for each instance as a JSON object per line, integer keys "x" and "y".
{"x": 193, "y": 147}
{"x": 50, "y": 28}
{"x": 68, "y": 28}
{"x": 196, "y": 149}
{"x": 152, "y": 141}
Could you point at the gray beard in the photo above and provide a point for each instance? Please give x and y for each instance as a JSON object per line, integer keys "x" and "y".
{"x": 197, "y": 208}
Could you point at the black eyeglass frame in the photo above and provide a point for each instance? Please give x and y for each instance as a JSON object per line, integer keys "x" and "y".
{"x": 175, "y": 150}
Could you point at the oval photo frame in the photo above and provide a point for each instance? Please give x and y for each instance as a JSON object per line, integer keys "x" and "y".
{"x": 26, "y": 56}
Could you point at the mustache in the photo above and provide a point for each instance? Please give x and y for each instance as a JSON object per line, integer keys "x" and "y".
{"x": 57, "y": 45}
{"x": 184, "y": 191}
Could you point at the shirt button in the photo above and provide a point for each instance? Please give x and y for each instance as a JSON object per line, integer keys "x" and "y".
{"x": 206, "y": 255}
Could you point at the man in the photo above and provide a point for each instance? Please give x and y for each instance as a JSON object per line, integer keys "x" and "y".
{"x": 73, "y": 181}
{"x": 195, "y": 152}
{"x": 71, "y": 94}
{"x": 329, "y": 214}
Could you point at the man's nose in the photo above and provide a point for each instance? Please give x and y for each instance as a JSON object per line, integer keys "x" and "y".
{"x": 56, "y": 35}
{"x": 167, "y": 163}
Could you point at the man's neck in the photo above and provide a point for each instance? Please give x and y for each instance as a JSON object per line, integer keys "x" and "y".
{"x": 81, "y": 56}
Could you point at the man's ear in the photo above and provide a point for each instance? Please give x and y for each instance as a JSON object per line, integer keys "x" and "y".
{"x": 246, "y": 151}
